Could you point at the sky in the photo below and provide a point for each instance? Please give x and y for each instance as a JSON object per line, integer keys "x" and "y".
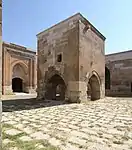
{"x": 24, "y": 19}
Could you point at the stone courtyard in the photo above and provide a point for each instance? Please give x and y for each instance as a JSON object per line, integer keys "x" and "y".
{"x": 105, "y": 124}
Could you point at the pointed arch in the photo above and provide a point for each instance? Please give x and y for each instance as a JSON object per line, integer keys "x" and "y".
{"x": 55, "y": 88}
{"x": 19, "y": 77}
{"x": 94, "y": 86}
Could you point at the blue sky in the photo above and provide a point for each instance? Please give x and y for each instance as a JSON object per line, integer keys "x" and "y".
{"x": 23, "y": 19}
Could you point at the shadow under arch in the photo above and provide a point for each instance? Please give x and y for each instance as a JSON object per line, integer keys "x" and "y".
{"x": 19, "y": 77}
{"x": 17, "y": 84}
{"x": 94, "y": 86}
{"x": 55, "y": 87}
{"x": 21, "y": 63}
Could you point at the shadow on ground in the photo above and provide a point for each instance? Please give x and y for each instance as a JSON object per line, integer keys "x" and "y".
{"x": 28, "y": 104}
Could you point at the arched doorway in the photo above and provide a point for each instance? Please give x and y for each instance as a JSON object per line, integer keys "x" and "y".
{"x": 19, "y": 78}
{"x": 93, "y": 88}
{"x": 107, "y": 78}
{"x": 55, "y": 88}
{"x": 17, "y": 85}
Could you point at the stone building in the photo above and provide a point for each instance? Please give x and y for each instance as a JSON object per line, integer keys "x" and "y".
{"x": 71, "y": 61}
{"x": 19, "y": 69}
{"x": 0, "y": 69}
{"x": 0, "y": 48}
{"x": 119, "y": 74}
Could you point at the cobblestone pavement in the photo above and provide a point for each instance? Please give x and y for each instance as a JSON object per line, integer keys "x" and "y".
{"x": 100, "y": 125}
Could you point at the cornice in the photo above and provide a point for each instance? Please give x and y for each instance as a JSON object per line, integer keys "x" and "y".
{"x": 18, "y": 47}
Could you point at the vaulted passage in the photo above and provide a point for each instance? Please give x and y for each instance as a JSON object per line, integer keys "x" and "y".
{"x": 17, "y": 85}
{"x": 55, "y": 88}
{"x": 107, "y": 78}
{"x": 94, "y": 88}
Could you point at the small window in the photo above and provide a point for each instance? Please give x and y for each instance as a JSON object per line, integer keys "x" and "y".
{"x": 59, "y": 57}
{"x": 49, "y": 52}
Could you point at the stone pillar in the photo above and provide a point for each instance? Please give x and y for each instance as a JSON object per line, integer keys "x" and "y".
{"x": 102, "y": 91}
{"x": 0, "y": 69}
{"x": 77, "y": 91}
{"x": 35, "y": 74}
{"x": 73, "y": 91}
{"x": 34, "y": 77}
{"x": 83, "y": 91}
{"x": 7, "y": 74}
{"x": 30, "y": 76}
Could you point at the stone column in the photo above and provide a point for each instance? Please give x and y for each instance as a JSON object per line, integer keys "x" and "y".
{"x": 30, "y": 76}
{"x": 73, "y": 91}
{"x": 0, "y": 69}
{"x": 83, "y": 91}
{"x": 34, "y": 77}
{"x": 7, "y": 74}
{"x": 33, "y": 81}
{"x": 102, "y": 91}
{"x": 77, "y": 91}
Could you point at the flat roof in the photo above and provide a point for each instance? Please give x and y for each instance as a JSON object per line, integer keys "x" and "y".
{"x": 19, "y": 47}
{"x": 75, "y": 15}
{"x": 123, "y": 52}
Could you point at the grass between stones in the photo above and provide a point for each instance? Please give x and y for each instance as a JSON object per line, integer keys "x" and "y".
{"x": 22, "y": 145}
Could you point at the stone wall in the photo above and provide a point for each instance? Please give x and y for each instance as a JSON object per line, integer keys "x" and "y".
{"x": 91, "y": 56}
{"x": 0, "y": 69}
{"x": 18, "y": 62}
{"x": 60, "y": 39}
{"x": 0, "y": 48}
{"x": 120, "y": 67}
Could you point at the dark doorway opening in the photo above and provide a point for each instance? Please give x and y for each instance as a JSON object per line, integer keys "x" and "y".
{"x": 93, "y": 88}
{"x": 131, "y": 86}
{"x": 17, "y": 85}
{"x": 55, "y": 88}
{"x": 59, "y": 58}
{"x": 107, "y": 78}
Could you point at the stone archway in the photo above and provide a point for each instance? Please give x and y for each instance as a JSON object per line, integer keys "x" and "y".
{"x": 19, "y": 78}
{"x": 17, "y": 85}
{"x": 93, "y": 88}
{"x": 55, "y": 88}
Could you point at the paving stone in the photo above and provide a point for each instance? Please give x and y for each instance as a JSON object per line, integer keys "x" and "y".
{"x": 14, "y": 148}
{"x": 19, "y": 126}
{"x": 5, "y": 119}
{"x": 64, "y": 129}
{"x": 12, "y": 122}
{"x": 115, "y": 131}
{"x": 54, "y": 142}
{"x": 39, "y": 146}
{"x": 77, "y": 140}
{"x": 95, "y": 125}
{"x": 6, "y": 141}
{"x": 130, "y": 135}
{"x": 44, "y": 129}
{"x": 25, "y": 122}
{"x": 69, "y": 146}
{"x": 13, "y": 132}
{"x": 40, "y": 136}
{"x": 89, "y": 131}
{"x": 25, "y": 138}
{"x": 62, "y": 124}
{"x": 98, "y": 146}
{"x": 73, "y": 127}
{"x": 79, "y": 134}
